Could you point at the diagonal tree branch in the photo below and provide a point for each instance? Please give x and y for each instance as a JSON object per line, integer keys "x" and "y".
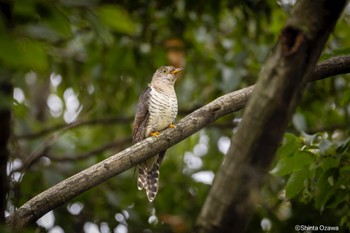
{"x": 331, "y": 67}
{"x": 126, "y": 159}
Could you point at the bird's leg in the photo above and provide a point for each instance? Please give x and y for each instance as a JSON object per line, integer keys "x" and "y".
{"x": 172, "y": 126}
{"x": 154, "y": 134}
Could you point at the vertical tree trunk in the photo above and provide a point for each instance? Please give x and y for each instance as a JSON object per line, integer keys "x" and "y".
{"x": 5, "y": 115}
{"x": 235, "y": 192}
{"x": 5, "y": 118}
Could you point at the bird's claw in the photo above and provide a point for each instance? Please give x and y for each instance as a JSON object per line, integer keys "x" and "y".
{"x": 172, "y": 126}
{"x": 154, "y": 134}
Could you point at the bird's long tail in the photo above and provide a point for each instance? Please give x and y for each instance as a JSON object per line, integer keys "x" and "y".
{"x": 149, "y": 175}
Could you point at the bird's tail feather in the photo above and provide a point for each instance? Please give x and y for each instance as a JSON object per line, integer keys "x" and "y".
{"x": 142, "y": 178}
{"x": 152, "y": 182}
{"x": 148, "y": 178}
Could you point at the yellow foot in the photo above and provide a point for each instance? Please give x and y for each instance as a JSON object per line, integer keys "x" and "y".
{"x": 154, "y": 134}
{"x": 172, "y": 126}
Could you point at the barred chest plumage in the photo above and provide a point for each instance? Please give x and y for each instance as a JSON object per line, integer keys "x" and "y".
{"x": 162, "y": 109}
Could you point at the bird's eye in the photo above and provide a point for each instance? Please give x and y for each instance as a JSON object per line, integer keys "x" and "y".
{"x": 164, "y": 71}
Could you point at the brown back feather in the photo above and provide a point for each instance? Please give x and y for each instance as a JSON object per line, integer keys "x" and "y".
{"x": 141, "y": 117}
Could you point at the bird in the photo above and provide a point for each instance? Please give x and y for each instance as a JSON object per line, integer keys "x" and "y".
{"x": 156, "y": 110}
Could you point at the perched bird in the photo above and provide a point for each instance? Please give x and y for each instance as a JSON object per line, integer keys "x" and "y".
{"x": 156, "y": 110}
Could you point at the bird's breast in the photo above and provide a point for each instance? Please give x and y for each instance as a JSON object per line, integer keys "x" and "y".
{"x": 162, "y": 108}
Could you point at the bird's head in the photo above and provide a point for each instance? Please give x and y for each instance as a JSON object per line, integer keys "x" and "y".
{"x": 166, "y": 75}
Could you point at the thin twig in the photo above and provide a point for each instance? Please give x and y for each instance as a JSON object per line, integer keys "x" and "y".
{"x": 116, "y": 145}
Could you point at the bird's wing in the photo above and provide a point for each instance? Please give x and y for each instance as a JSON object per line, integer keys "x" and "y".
{"x": 141, "y": 117}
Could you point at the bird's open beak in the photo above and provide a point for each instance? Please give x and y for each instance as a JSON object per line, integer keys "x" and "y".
{"x": 177, "y": 70}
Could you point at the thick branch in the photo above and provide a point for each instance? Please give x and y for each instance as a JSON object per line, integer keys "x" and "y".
{"x": 91, "y": 177}
{"x": 332, "y": 66}
{"x": 236, "y": 187}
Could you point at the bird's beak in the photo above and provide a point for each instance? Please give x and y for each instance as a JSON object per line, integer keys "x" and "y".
{"x": 177, "y": 70}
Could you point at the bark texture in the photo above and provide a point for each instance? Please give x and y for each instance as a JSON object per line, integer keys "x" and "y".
{"x": 91, "y": 177}
{"x": 235, "y": 190}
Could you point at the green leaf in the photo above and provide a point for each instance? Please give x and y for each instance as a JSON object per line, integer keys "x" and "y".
{"x": 33, "y": 55}
{"x": 59, "y": 23}
{"x": 296, "y": 183}
{"x": 344, "y": 220}
{"x": 324, "y": 190}
{"x": 117, "y": 19}
{"x": 329, "y": 162}
{"x": 24, "y": 54}
{"x": 341, "y": 197}
{"x": 344, "y": 171}
{"x": 292, "y": 163}
{"x": 290, "y": 146}
{"x": 9, "y": 50}
{"x": 25, "y": 8}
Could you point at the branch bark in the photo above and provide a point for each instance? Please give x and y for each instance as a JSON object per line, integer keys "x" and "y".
{"x": 126, "y": 159}
{"x": 235, "y": 191}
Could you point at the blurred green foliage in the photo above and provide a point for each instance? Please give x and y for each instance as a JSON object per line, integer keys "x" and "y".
{"x": 317, "y": 171}
{"x": 86, "y": 62}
